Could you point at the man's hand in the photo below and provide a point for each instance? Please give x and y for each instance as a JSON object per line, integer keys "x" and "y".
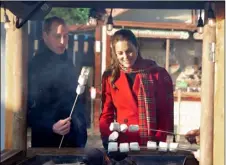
{"x": 193, "y": 136}
{"x": 62, "y": 127}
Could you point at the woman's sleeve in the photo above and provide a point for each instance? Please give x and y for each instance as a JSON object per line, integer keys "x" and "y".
{"x": 108, "y": 109}
{"x": 165, "y": 105}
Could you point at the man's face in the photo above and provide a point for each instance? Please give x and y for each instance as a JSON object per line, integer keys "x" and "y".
{"x": 57, "y": 38}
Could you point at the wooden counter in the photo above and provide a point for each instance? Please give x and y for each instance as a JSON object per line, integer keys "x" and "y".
{"x": 188, "y": 96}
{"x": 19, "y": 156}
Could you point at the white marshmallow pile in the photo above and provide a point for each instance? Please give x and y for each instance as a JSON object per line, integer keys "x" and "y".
{"x": 123, "y": 128}
{"x": 80, "y": 89}
{"x": 124, "y": 147}
{"x": 151, "y": 145}
{"x": 134, "y": 146}
{"x": 173, "y": 146}
{"x": 163, "y": 146}
{"x": 114, "y": 126}
{"x": 112, "y": 146}
{"x": 93, "y": 92}
{"x": 82, "y": 80}
{"x": 133, "y": 128}
{"x": 113, "y": 136}
{"x": 85, "y": 71}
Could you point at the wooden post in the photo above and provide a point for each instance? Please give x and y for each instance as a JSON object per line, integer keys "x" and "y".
{"x": 207, "y": 97}
{"x": 167, "y": 53}
{"x": 16, "y": 86}
{"x": 97, "y": 75}
{"x": 219, "y": 100}
{"x": 108, "y": 58}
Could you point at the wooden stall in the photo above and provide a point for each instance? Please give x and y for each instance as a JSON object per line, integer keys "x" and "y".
{"x": 212, "y": 139}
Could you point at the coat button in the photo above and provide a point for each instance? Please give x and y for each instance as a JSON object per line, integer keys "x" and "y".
{"x": 125, "y": 120}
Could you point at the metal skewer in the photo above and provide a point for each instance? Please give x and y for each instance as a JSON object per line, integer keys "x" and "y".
{"x": 85, "y": 72}
{"x": 69, "y": 116}
{"x": 157, "y": 130}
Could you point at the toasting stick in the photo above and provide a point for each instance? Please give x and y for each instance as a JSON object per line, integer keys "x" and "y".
{"x": 82, "y": 80}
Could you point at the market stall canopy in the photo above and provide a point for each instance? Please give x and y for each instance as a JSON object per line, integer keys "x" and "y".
{"x": 30, "y": 10}
{"x": 23, "y": 8}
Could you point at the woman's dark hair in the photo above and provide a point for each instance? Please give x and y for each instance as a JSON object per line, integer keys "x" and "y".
{"x": 120, "y": 35}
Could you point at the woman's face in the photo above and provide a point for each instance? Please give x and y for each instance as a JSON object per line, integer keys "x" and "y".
{"x": 126, "y": 53}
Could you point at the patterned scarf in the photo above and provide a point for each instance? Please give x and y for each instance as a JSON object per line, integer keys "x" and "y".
{"x": 146, "y": 98}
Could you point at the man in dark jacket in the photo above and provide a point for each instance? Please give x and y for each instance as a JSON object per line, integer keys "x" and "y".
{"x": 52, "y": 86}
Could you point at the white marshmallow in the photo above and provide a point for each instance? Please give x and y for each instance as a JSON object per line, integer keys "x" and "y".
{"x": 82, "y": 79}
{"x": 169, "y": 138}
{"x": 173, "y": 146}
{"x": 133, "y": 128}
{"x": 134, "y": 146}
{"x": 93, "y": 93}
{"x": 124, "y": 147}
{"x": 123, "y": 128}
{"x": 113, "y": 136}
{"x": 112, "y": 146}
{"x": 80, "y": 89}
{"x": 151, "y": 145}
{"x": 163, "y": 146}
{"x": 85, "y": 71}
{"x": 115, "y": 126}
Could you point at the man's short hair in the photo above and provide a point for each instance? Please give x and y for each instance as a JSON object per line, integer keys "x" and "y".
{"x": 49, "y": 21}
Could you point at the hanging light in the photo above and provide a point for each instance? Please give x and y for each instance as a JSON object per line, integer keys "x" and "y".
{"x": 6, "y": 20}
{"x": 211, "y": 16}
{"x": 110, "y": 22}
{"x": 200, "y": 23}
{"x": 93, "y": 17}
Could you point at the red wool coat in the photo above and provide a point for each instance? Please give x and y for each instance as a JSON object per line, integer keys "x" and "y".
{"x": 125, "y": 103}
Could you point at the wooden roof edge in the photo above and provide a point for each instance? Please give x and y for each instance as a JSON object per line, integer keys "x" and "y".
{"x": 81, "y": 27}
{"x": 157, "y": 25}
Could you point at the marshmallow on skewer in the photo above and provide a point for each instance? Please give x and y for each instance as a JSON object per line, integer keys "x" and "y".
{"x": 124, "y": 147}
{"x": 133, "y": 128}
{"x": 114, "y": 126}
{"x": 85, "y": 71}
{"x": 93, "y": 93}
{"x": 134, "y": 146}
{"x": 112, "y": 146}
{"x": 173, "y": 146}
{"x": 82, "y": 79}
{"x": 113, "y": 136}
{"x": 80, "y": 89}
{"x": 163, "y": 146}
{"x": 123, "y": 128}
{"x": 151, "y": 145}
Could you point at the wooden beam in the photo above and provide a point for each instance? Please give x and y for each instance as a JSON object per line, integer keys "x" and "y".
{"x": 193, "y": 17}
{"x": 97, "y": 80}
{"x": 9, "y": 157}
{"x": 132, "y": 4}
{"x": 116, "y": 12}
{"x": 108, "y": 58}
{"x": 81, "y": 28}
{"x": 157, "y": 25}
{"x": 167, "y": 53}
{"x": 16, "y": 87}
{"x": 219, "y": 100}
{"x": 207, "y": 98}
{"x": 159, "y": 34}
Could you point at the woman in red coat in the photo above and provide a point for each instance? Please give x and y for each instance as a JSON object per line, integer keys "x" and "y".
{"x": 135, "y": 91}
